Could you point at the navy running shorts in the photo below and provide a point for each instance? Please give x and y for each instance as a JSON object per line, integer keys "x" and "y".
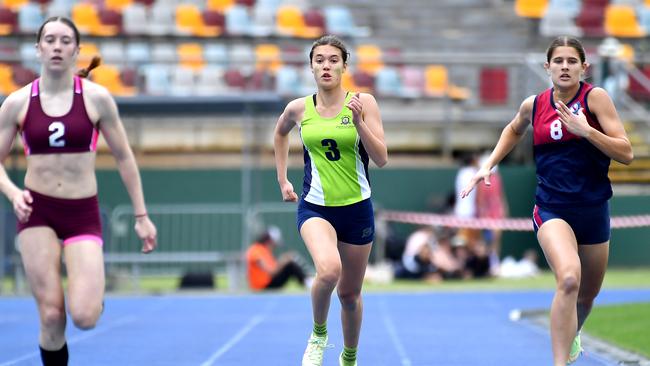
{"x": 354, "y": 224}
{"x": 590, "y": 224}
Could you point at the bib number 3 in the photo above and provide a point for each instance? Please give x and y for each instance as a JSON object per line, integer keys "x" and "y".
{"x": 334, "y": 153}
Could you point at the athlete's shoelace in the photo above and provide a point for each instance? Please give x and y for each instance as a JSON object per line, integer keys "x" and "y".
{"x": 315, "y": 349}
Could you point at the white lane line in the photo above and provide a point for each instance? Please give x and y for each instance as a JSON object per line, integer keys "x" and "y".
{"x": 257, "y": 319}
{"x": 76, "y": 339}
{"x": 390, "y": 326}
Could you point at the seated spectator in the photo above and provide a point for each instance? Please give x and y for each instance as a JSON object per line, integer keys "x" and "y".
{"x": 264, "y": 271}
{"x": 427, "y": 258}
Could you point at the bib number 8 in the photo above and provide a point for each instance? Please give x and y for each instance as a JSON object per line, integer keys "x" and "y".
{"x": 556, "y": 130}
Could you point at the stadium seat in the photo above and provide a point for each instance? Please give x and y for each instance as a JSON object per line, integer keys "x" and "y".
{"x": 135, "y": 21}
{"x": 214, "y": 18}
{"x": 314, "y": 18}
{"x": 558, "y": 22}
{"x": 8, "y": 21}
{"x": 531, "y": 8}
{"x": 138, "y": 53}
{"x": 189, "y": 21}
{"x": 161, "y": 21}
{"x": 591, "y": 20}
{"x": 23, "y": 75}
{"x": 215, "y": 54}
{"x": 109, "y": 77}
{"x": 289, "y": 21}
{"x": 234, "y": 80}
{"x": 210, "y": 81}
{"x": 287, "y": 81}
{"x": 27, "y": 51}
{"x": 190, "y": 55}
{"x": 238, "y": 21}
{"x": 14, "y": 4}
{"x": 493, "y": 86}
{"x": 87, "y": 50}
{"x": 220, "y": 5}
{"x": 30, "y": 18}
{"x": 260, "y": 80}
{"x": 570, "y": 7}
{"x": 436, "y": 80}
{"x": 307, "y": 82}
{"x": 182, "y": 81}
{"x": 117, "y": 5}
{"x": 339, "y": 21}
{"x": 388, "y": 83}
{"x": 113, "y": 52}
{"x": 620, "y": 21}
{"x": 86, "y": 18}
{"x": 7, "y": 83}
{"x": 247, "y": 3}
{"x": 348, "y": 81}
{"x": 412, "y": 81}
{"x": 369, "y": 58}
{"x": 242, "y": 56}
{"x": 163, "y": 53}
{"x": 267, "y": 57}
{"x": 156, "y": 79}
{"x": 111, "y": 18}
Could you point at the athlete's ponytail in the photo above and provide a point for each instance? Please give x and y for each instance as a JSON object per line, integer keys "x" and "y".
{"x": 96, "y": 61}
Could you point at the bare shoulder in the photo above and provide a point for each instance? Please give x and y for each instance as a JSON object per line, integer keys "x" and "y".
{"x": 598, "y": 94}
{"x": 296, "y": 106}
{"x": 527, "y": 105}
{"x": 367, "y": 97}
{"x": 96, "y": 92}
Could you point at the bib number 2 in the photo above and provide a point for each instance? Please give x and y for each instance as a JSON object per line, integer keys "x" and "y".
{"x": 57, "y": 130}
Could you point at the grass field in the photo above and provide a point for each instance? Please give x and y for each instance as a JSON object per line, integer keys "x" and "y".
{"x": 627, "y": 326}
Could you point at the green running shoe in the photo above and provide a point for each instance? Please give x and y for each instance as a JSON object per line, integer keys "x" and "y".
{"x": 314, "y": 353}
{"x": 576, "y": 350}
{"x": 346, "y": 363}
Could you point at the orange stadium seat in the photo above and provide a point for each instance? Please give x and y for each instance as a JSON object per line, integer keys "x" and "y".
{"x": 268, "y": 57}
{"x": 621, "y": 21}
{"x": 86, "y": 52}
{"x": 349, "y": 84}
{"x": 189, "y": 20}
{"x": 370, "y": 58}
{"x": 289, "y": 21}
{"x": 117, "y": 4}
{"x": 14, "y": 4}
{"x": 7, "y": 83}
{"x": 221, "y": 5}
{"x": 190, "y": 55}
{"x": 531, "y": 8}
{"x": 86, "y": 17}
{"x": 109, "y": 77}
{"x": 436, "y": 80}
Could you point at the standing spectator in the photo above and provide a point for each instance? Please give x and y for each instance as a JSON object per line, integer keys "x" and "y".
{"x": 491, "y": 204}
{"x": 466, "y": 208}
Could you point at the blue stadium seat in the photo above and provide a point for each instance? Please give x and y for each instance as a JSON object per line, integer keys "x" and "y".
{"x": 30, "y": 18}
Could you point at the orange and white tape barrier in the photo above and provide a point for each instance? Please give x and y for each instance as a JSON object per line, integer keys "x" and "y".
{"x": 509, "y": 224}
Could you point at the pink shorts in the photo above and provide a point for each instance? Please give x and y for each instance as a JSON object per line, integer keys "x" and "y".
{"x": 71, "y": 219}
